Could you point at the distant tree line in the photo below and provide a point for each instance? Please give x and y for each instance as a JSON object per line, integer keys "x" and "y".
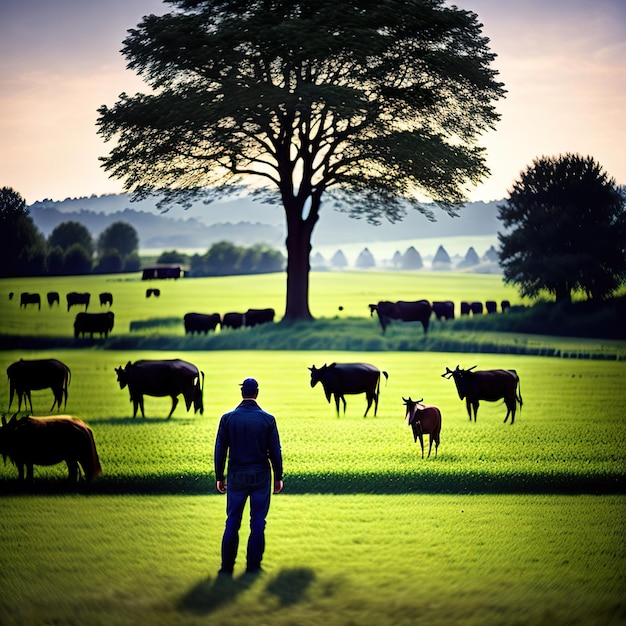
{"x": 227, "y": 259}
{"x": 69, "y": 250}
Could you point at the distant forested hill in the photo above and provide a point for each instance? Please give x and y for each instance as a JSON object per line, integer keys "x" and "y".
{"x": 245, "y": 221}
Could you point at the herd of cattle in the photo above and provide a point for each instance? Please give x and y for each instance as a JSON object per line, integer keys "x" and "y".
{"x": 420, "y": 311}
{"x": 29, "y": 441}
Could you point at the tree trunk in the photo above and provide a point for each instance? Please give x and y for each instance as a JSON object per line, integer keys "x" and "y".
{"x": 298, "y": 244}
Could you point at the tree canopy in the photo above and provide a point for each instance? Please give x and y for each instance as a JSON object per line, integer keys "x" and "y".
{"x": 119, "y": 236}
{"x": 22, "y": 246}
{"x": 68, "y": 233}
{"x": 379, "y": 102}
{"x": 567, "y": 229}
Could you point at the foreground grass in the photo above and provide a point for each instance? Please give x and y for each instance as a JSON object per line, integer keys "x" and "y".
{"x": 333, "y": 560}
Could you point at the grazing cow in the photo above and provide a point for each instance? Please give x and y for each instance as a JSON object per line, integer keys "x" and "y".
{"x": 53, "y": 297}
{"x": 340, "y": 379}
{"x": 476, "y": 308}
{"x": 465, "y": 308}
{"x": 29, "y": 298}
{"x": 505, "y": 305}
{"x": 26, "y": 376}
{"x": 254, "y": 317}
{"x": 47, "y": 441}
{"x": 106, "y": 298}
{"x": 233, "y": 320}
{"x": 418, "y": 311}
{"x": 200, "y": 322}
{"x": 423, "y": 418}
{"x": 153, "y": 292}
{"x": 91, "y": 323}
{"x": 490, "y": 385}
{"x": 491, "y": 306}
{"x": 444, "y": 310}
{"x": 162, "y": 378}
{"x": 77, "y": 299}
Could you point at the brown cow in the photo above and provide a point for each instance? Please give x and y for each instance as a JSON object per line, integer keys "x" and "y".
{"x": 423, "y": 418}
{"x": 47, "y": 441}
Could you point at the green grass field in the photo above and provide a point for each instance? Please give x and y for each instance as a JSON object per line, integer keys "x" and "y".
{"x": 521, "y": 524}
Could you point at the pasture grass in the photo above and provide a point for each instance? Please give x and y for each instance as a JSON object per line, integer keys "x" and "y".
{"x": 334, "y": 560}
{"x": 560, "y": 442}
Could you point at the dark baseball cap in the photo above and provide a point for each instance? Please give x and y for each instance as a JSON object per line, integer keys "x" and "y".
{"x": 249, "y": 387}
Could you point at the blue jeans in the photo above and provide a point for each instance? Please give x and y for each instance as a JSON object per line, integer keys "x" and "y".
{"x": 240, "y": 487}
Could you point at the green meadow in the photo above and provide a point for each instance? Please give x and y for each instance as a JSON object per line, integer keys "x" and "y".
{"x": 515, "y": 524}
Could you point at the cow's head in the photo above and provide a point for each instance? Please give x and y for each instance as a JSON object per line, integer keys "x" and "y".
{"x": 461, "y": 378}
{"x": 122, "y": 377}
{"x": 413, "y": 408}
{"x": 321, "y": 375}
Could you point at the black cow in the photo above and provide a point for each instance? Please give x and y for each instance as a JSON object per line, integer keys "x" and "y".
{"x": 254, "y": 317}
{"x": 465, "y": 308}
{"x": 47, "y": 441}
{"x": 490, "y": 385}
{"x": 444, "y": 310}
{"x": 233, "y": 320}
{"x": 106, "y": 298}
{"x": 476, "y": 308}
{"x": 26, "y": 376}
{"x": 505, "y": 305}
{"x": 340, "y": 379}
{"x": 491, "y": 306}
{"x": 53, "y": 297}
{"x": 153, "y": 292}
{"x": 101, "y": 323}
{"x": 162, "y": 378}
{"x": 30, "y": 298}
{"x": 201, "y": 322}
{"x": 417, "y": 311}
{"x": 76, "y": 299}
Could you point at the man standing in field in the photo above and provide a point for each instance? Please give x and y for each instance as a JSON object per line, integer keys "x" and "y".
{"x": 249, "y": 437}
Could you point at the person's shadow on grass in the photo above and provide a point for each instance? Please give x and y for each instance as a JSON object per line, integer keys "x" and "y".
{"x": 289, "y": 586}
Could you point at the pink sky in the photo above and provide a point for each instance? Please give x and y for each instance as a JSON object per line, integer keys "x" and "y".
{"x": 563, "y": 64}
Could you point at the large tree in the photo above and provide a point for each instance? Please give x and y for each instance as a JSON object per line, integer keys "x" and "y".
{"x": 376, "y": 103}
{"x": 566, "y": 221}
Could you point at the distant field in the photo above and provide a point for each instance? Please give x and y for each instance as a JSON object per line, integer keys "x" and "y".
{"x": 328, "y": 291}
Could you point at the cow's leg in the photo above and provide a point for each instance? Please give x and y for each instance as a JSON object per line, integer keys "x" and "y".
{"x": 370, "y": 398}
{"x": 475, "y": 406}
{"x": 422, "y": 443}
{"x": 72, "y": 470}
{"x": 337, "y": 404}
{"x": 430, "y": 444}
{"x": 30, "y": 400}
{"x": 20, "y": 471}
{"x": 174, "y": 403}
{"x": 29, "y": 472}
{"x": 468, "y": 406}
{"x": 141, "y": 406}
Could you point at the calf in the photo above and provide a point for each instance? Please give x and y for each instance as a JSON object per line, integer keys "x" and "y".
{"x": 423, "y": 418}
